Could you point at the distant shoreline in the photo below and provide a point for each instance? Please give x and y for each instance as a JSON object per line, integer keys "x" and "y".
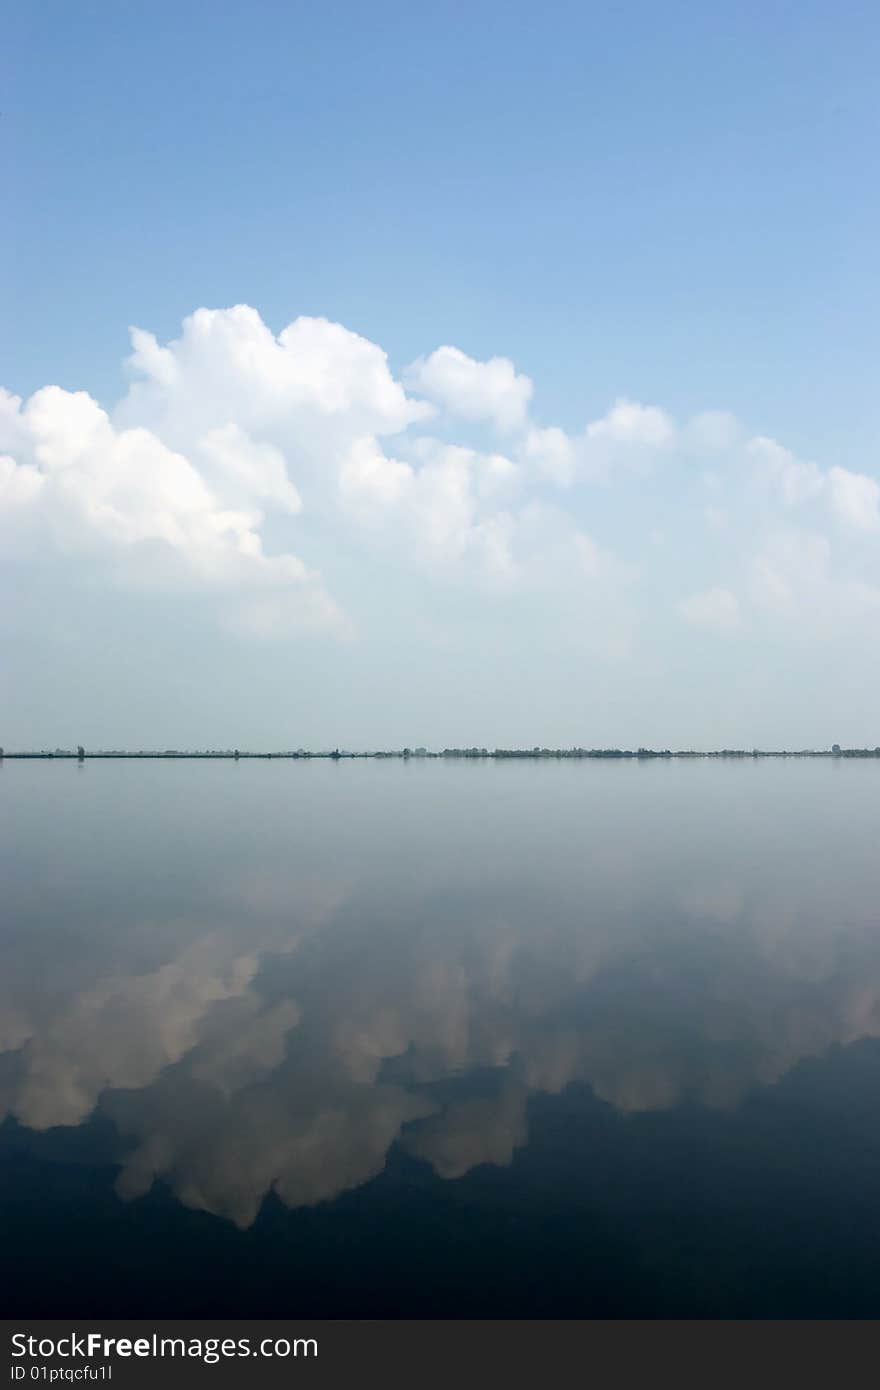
{"x": 497, "y": 754}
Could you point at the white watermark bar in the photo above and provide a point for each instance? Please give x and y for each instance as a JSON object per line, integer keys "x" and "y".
{"x": 426, "y": 1353}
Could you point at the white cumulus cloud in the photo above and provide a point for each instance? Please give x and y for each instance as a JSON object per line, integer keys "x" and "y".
{"x": 628, "y": 436}
{"x": 252, "y": 469}
{"x": 80, "y": 486}
{"x": 472, "y": 390}
{"x": 855, "y": 499}
{"x": 796, "y": 481}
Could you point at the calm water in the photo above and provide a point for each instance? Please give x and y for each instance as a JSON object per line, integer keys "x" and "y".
{"x": 454, "y": 1039}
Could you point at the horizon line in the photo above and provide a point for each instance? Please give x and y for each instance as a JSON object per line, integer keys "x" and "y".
{"x": 80, "y": 754}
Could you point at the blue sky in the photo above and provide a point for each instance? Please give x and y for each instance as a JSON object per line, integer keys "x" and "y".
{"x": 675, "y": 205}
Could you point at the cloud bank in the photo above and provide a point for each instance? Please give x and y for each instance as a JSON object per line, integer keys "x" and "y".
{"x": 285, "y": 485}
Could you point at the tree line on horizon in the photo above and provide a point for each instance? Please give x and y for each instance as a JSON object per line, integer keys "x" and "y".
{"x": 80, "y": 754}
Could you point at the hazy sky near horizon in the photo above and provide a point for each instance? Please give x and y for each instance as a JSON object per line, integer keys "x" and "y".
{"x": 487, "y": 374}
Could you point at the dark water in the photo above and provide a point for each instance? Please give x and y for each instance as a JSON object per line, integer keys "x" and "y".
{"x": 387, "y": 1039}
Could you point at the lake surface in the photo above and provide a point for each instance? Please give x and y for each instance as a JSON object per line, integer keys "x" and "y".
{"x": 440, "y": 1039}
